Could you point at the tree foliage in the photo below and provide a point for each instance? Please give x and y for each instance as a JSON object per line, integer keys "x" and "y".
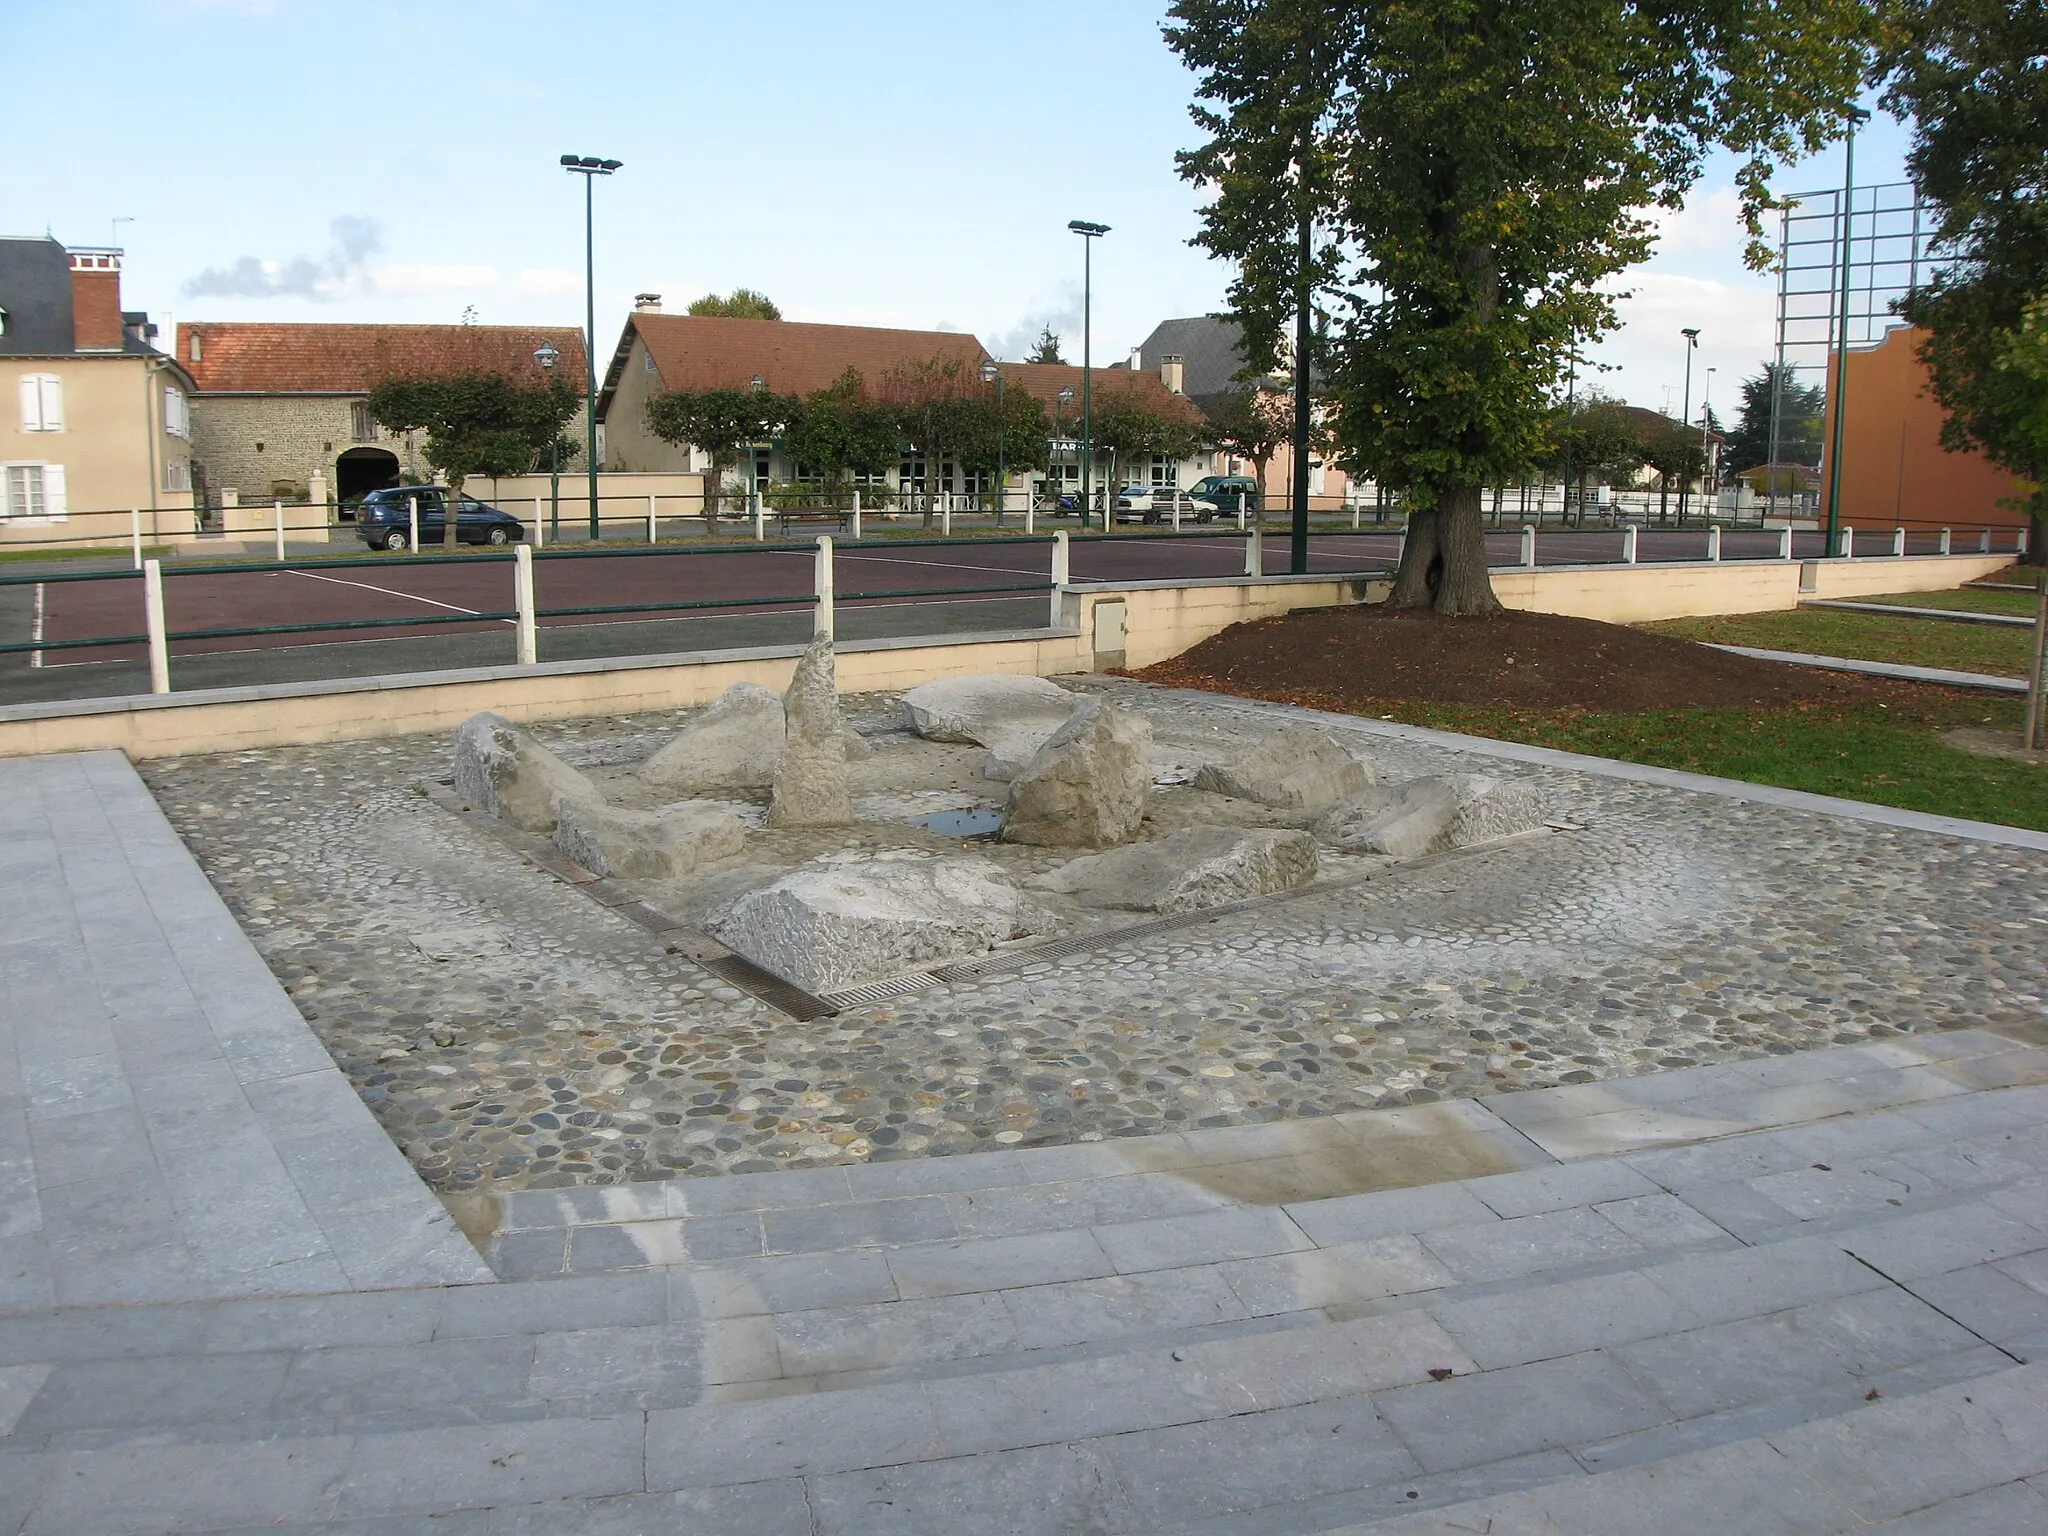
{"x": 740, "y": 304}
{"x": 1130, "y": 429}
{"x": 1800, "y": 408}
{"x": 1252, "y": 424}
{"x": 1046, "y": 349}
{"x": 1974, "y": 77}
{"x": 722, "y": 422}
{"x": 476, "y": 423}
{"x": 1475, "y": 170}
{"x": 841, "y": 431}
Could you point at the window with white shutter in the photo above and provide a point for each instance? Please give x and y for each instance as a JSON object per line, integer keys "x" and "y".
{"x": 31, "y": 490}
{"x": 53, "y": 490}
{"x": 177, "y": 420}
{"x": 42, "y": 402}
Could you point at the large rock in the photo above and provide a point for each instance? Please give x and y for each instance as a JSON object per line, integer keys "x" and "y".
{"x": 1295, "y": 768}
{"x": 1432, "y": 815}
{"x": 970, "y": 709}
{"x": 849, "y": 918}
{"x": 1087, "y": 786}
{"x": 661, "y": 844}
{"x": 502, "y": 770}
{"x": 1196, "y": 867}
{"x": 810, "y": 776}
{"x": 733, "y": 744}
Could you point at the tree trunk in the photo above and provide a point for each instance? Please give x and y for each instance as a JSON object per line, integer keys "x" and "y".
{"x": 1443, "y": 562}
{"x": 2037, "y": 540}
{"x": 714, "y": 482}
{"x": 450, "y": 510}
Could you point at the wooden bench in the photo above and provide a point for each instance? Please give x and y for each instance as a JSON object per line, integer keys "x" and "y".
{"x": 821, "y": 515}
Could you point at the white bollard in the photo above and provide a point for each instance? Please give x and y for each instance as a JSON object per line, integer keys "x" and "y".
{"x": 412, "y": 516}
{"x": 822, "y": 582}
{"x": 135, "y": 534}
{"x": 153, "y": 622}
{"x": 1030, "y": 516}
{"x": 1714, "y": 542}
{"x": 652, "y": 537}
{"x": 1847, "y": 550}
{"x": 1784, "y": 543}
{"x": 527, "y": 648}
{"x": 1945, "y": 540}
{"x": 1255, "y": 553}
{"x": 945, "y": 517}
{"x": 1176, "y": 514}
{"x": 1357, "y": 511}
{"x": 1528, "y": 546}
{"x": 1628, "y": 545}
{"x": 1898, "y": 541}
{"x": 1061, "y": 570}
{"x": 760, "y": 519}
{"x": 856, "y": 516}
{"x": 277, "y": 512}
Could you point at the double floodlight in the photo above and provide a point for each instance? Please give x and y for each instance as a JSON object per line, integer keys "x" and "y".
{"x": 1083, "y": 227}
{"x": 590, "y": 165}
{"x": 1692, "y": 334}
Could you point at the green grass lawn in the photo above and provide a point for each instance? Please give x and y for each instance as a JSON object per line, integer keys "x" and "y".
{"x": 1888, "y": 754}
{"x": 77, "y": 552}
{"x": 1998, "y": 650}
{"x": 1963, "y": 600}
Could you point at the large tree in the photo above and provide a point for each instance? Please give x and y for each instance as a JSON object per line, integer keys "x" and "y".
{"x": 740, "y": 304}
{"x": 1252, "y": 422}
{"x": 1131, "y": 430}
{"x": 1455, "y": 179}
{"x": 476, "y": 424}
{"x": 1799, "y": 409}
{"x": 721, "y": 422}
{"x": 1974, "y": 77}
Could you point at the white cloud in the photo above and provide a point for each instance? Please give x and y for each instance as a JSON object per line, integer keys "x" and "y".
{"x": 546, "y": 282}
{"x": 1710, "y": 223}
{"x": 356, "y": 239}
{"x": 420, "y": 278}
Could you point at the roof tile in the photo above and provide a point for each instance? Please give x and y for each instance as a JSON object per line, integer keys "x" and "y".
{"x": 295, "y": 359}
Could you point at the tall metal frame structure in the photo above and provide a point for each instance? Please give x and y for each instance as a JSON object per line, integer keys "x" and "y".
{"x": 1845, "y": 257}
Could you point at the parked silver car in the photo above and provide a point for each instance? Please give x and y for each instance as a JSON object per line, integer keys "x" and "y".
{"x": 1155, "y": 504}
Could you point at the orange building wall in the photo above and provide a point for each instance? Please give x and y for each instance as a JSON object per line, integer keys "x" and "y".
{"x": 1894, "y": 469}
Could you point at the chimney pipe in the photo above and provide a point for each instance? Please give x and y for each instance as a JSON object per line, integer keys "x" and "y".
{"x": 1137, "y": 358}
{"x": 646, "y": 303}
{"x": 96, "y": 324}
{"x": 1173, "y": 372}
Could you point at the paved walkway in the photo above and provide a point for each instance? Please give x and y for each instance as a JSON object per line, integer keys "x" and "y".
{"x": 1900, "y": 610}
{"x": 1802, "y": 1293}
{"x": 1983, "y": 682}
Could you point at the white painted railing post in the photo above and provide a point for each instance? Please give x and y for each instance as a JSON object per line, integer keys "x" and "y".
{"x": 153, "y": 623}
{"x": 826, "y": 626}
{"x": 652, "y": 536}
{"x": 1061, "y": 571}
{"x": 1529, "y": 546}
{"x": 1240, "y": 511}
{"x": 1401, "y": 549}
{"x": 945, "y": 516}
{"x": 1898, "y": 541}
{"x": 539, "y": 537}
{"x": 1946, "y": 540}
{"x": 1030, "y": 516}
{"x": 856, "y": 516}
{"x": 135, "y": 534}
{"x": 1255, "y": 552}
{"x": 412, "y": 517}
{"x": 277, "y": 515}
{"x": 1847, "y": 547}
{"x": 1176, "y": 514}
{"x": 1784, "y": 543}
{"x": 760, "y": 519}
{"x": 527, "y": 647}
{"x": 1984, "y": 542}
{"x": 1357, "y": 512}
{"x": 1714, "y": 542}
{"x": 1628, "y": 544}
{"x": 2019, "y": 546}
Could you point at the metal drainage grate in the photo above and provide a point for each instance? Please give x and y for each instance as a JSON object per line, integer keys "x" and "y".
{"x": 767, "y": 986}
{"x": 882, "y": 991}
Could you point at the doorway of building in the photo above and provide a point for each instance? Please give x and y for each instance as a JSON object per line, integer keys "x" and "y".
{"x": 362, "y": 470}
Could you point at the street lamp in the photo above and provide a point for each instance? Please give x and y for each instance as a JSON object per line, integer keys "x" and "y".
{"x": 1062, "y": 402}
{"x": 755, "y": 386}
{"x": 589, "y": 167}
{"x": 1089, "y": 234}
{"x": 1706, "y": 458}
{"x": 546, "y": 355}
{"x": 1692, "y": 344}
{"x": 992, "y": 373}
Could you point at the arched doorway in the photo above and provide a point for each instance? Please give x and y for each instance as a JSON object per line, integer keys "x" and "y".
{"x": 362, "y": 470}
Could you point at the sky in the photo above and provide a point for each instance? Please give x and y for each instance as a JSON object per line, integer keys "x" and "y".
{"x": 899, "y": 162}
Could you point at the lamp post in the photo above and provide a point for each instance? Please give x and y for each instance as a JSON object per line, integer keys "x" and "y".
{"x": 755, "y": 386}
{"x": 992, "y": 373}
{"x": 1706, "y": 458}
{"x": 546, "y": 355}
{"x": 1089, "y": 234}
{"x": 1692, "y": 344}
{"x": 1838, "y": 396}
{"x": 590, "y": 167}
{"x": 1062, "y": 402}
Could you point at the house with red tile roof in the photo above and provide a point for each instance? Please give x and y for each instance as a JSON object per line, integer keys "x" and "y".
{"x": 660, "y": 352}
{"x": 280, "y": 409}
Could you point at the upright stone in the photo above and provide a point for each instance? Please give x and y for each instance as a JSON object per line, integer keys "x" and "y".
{"x": 1087, "y": 786}
{"x": 810, "y": 777}
{"x": 1295, "y": 769}
{"x": 733, "y": 744}
{"x": 503, "y": 771}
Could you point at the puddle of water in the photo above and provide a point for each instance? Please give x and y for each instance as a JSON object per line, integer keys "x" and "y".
{"x": 961, "y": 824}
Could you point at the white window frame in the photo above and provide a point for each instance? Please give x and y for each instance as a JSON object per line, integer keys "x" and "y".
{"x": 177, "y": 475}
{"x": 42, "y": 402}
{"x": 49, "y": 489}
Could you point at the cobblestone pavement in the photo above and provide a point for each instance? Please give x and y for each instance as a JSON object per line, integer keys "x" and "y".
{"x": 510, "y": 1034}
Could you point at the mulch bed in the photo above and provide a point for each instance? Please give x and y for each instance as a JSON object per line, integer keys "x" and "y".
{"x": 1350, "y": 658}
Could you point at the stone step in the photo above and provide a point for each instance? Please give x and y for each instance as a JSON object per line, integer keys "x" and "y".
{"x": 701, "y": 1222}
{"x": 1958, "y": 1458}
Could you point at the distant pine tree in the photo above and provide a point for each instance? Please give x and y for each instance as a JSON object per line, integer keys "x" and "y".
{"x": 1047, "y": 350}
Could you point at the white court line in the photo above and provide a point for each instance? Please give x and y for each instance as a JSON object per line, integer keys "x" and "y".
{"x": 947, "y": 565}
{"x": 35, "y": 628}
{"x": 433, "y": 602}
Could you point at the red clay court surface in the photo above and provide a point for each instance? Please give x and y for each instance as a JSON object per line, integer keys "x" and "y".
{"x": 771, "y": 581}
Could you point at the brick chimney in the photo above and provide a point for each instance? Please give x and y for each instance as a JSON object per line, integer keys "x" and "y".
{"x": 96, "y": 301}
{"x": 1173, "y": 370}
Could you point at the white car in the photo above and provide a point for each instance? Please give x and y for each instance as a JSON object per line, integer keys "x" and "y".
{"x": 1155, "y": 504}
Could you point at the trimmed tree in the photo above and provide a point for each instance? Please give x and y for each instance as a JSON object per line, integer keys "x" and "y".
{"x": 721, "y": 422}
{"x": 475, "y": 424}
{"x": 1130, "y": 428}
{"x": 740, "y": 304}
{"x": 1252, "y": 423}
{"x": 840, "y": 431}
{"x": 1471, "y": 171}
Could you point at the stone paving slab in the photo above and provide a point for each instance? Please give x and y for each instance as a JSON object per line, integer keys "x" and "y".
{"x": 169, "y": 1127}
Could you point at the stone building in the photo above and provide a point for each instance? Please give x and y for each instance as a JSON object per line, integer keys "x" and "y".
{"x": 282, "y": 410}
{"x": 93, "y": 421}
